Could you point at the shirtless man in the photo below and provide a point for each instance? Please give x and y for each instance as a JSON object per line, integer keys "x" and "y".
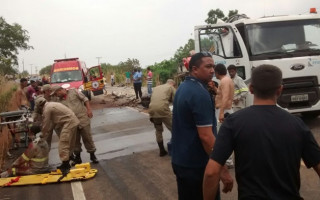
{"x": 225, "y": 91}
{"x": 21, "y": 97}
{"x": 223, "y": 99}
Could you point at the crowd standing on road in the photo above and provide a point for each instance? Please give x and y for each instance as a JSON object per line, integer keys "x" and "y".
{"x": 160, "y": 112}
{"x": 268, "y": 143}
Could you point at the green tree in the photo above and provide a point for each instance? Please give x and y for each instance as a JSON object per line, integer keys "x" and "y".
{"x": 45, "y": 70}
{"x": 6, "y": 66}
{"x": 12, "y": 38}
{"x": 24, "y": 73}
{"x": 184, "y": 51}
{"x": 214, "y": 15}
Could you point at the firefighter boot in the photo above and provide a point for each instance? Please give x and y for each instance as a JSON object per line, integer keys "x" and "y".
{"x": 163, "y": 152}
{"x": 64, "y": 167}
{"x": 76, "y": 159}
{"x": 93, "y": 158}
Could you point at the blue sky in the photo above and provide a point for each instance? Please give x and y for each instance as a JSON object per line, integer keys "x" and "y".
{"x": 149, "y": 30}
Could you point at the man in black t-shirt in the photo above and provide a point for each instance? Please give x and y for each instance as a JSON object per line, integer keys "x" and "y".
{"x": 268, "y": 144}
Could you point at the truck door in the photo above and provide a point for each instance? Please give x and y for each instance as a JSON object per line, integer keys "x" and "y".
{"x": 94, "y": 80}
{"x": 224, "y": 42}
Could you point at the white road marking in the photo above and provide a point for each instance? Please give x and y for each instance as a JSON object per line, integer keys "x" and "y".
{"x": 77, "y": 191}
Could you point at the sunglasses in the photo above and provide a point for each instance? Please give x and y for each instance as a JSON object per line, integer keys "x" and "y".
{"x": 206, "y": 54}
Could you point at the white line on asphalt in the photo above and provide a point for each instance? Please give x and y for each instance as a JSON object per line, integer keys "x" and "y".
{"x": 77, "y": 191}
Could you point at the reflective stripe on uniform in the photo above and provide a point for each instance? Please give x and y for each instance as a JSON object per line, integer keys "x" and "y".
{"x": 241, "y": 90}
{"x": 25, "y": 157}
{"x": 39, "y": 159}
{"x": 34, "y": 159}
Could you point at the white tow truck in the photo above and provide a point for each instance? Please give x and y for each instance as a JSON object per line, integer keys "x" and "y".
{"x": 291, "y": 43}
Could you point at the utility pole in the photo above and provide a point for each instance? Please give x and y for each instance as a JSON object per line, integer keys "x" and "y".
{"x": 36, "y": 69}
{"x": 99, "y": 60}
{"x": 22, "y": 65}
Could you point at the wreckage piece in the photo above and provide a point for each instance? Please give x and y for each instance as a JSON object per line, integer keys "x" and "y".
{"x": 80, "y": 172}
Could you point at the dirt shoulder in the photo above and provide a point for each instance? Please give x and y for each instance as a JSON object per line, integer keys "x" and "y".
{"x": 118, "y": 96}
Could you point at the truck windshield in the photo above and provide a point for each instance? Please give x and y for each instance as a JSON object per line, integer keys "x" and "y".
{"x": 284, "y": 39}
{"x": 66, "y": 76}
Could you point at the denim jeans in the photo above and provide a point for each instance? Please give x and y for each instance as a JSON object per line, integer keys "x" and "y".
{"x": 149, "y": 89}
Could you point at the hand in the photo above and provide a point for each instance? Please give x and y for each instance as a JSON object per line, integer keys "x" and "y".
{"x": 227, "y": 180}
{"x": 221, "y": 117}
{"x": 89, "y": 113}
{"x": 236, "y": 101}
{"x": 212, "y": 86}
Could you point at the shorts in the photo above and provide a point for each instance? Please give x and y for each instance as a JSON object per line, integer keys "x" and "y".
{"x": 128, "y": 80}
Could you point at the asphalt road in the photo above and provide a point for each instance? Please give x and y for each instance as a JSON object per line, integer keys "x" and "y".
{"x": 129, "y": 165}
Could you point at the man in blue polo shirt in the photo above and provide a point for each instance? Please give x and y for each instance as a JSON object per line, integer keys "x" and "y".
{"x": 137, "y": 83}
{"x": 193, "y": 129}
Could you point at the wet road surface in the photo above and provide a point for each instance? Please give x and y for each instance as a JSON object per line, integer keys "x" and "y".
{"x": 129, "y": 165}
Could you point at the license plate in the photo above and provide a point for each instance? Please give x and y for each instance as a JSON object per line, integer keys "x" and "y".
{"x": 300, "y": 97}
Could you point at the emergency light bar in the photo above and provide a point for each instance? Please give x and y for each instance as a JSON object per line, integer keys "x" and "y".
{"x": 66, "y": 59}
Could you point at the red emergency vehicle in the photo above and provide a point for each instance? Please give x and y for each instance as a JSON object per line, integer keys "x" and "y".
{"x": 73, "y": 73}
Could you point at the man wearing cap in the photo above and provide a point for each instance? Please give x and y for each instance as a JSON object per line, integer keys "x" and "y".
{"x": 80, "y": 105}
{"x": 46, "y": 91}
{"x": 60, "y": 116}
{"x": 160, "y": 112}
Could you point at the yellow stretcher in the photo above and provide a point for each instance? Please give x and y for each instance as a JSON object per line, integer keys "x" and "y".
{"x": 81, "y": 172}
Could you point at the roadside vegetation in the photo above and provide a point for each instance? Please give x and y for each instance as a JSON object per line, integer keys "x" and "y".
{"x": 7, "y": 90}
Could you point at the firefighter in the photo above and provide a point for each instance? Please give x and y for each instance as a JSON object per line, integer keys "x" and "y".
{"x": 33, "y": 161}
{"x": 159, "y": 111}
{"x": 36, "y": 115}
{"x": 60, "y": 116}
{"x": 80, "y": 105}
{"x": 240, "y": 89}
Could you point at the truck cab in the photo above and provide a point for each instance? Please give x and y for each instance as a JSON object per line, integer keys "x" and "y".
{"x": 73, "y": 73}
{"x": 291, "y": 43}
